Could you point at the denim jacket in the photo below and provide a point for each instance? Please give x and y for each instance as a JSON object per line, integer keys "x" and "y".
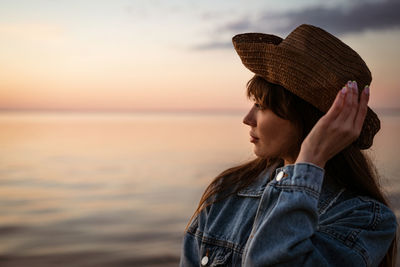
{"x": 295, "y": 219}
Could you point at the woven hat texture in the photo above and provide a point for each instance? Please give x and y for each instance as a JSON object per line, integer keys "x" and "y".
{"x": 311, "y": 63}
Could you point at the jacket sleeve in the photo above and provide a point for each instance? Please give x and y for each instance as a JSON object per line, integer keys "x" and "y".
{"x": 286, "y": 230}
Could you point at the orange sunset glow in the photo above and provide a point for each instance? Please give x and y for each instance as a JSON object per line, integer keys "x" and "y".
{"x": 123, "y": 55}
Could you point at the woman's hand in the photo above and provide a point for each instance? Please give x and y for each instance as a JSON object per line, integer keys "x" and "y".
{"x": 338, "y": 128}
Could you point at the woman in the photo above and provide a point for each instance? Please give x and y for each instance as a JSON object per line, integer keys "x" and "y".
{"x": 311, "y": 197}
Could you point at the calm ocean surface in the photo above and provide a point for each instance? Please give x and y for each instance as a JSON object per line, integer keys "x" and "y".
{"x": 118, "y": 189}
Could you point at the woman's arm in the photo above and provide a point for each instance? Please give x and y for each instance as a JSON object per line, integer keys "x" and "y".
{"x": 287, "y": 232}
{"x": 338, "y": 128}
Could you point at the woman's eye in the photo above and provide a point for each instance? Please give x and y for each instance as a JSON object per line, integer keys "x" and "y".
{"x": 258, "y": 106}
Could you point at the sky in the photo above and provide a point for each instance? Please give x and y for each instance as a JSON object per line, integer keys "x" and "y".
{"x": 153, "y": 55}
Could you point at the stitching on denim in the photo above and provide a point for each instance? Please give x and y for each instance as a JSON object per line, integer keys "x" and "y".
{"x": 342, "y": 239}
{"x": 218, "y": 260}
{"x": 191, "y": 233}
{"x": 193, "y": 226}
{"x": 378, "y": 216}
{"x": 250, "y": 194}
{"x": 376, "y": 213}
{"x": 332, "y": 201}
{"x": 255, "y": 221}
{"x": 221, "y": 260}
{"x": 324, "y": 202}
{"x": 221, "y": 243}
{"x": 289, "y": 188}
{"x": 297, "y": 184}
{"x": 352, "y": 237}
{"x": 308, "y": 164}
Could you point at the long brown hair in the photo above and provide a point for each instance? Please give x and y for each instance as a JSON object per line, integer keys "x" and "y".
{"x": 361, "y": 174}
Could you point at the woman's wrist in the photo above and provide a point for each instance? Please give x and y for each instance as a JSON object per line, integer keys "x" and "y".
{"x": 310, "y": 157}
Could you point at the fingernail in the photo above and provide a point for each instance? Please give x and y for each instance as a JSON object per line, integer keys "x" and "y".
{"x": 349, "y": 84}
{"x": 355, "y": 87}
{"x": 344, "y": 89}
{"x": 366, "y": 89}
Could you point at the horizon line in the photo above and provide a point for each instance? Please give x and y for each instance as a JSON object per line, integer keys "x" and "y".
{"x": 383, "y": 110}
{"x": 66, "y": 110}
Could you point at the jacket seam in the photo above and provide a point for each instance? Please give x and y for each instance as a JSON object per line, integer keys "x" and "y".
{"x": 259, "y": 208}
{"x": 191, "y": 230}
{"x": 376, "y": 211}
{"x": 249, "y": 194}
{"x": 289, "y": 188}
{"x": 326, "y": 207}
{"x": 349, "y": 241}
{"x": 193, "y": 226}
{"x": 217, "y": 242}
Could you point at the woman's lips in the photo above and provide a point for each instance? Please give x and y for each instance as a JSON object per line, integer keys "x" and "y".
{"x": 253, "y": 139}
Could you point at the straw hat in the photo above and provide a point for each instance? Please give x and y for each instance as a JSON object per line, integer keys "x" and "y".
{"x": 311, "y": 63}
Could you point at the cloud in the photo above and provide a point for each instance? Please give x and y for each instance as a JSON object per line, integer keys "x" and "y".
{"x": 338, "y": 20}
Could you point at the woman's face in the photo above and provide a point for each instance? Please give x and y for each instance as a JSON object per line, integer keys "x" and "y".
{"x": 272, "y": 136}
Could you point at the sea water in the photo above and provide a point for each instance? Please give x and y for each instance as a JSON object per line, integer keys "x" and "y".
{"x": 117, "y": 189}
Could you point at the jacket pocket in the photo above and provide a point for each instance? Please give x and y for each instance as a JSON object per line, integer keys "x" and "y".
{"x": 213, "y": 255}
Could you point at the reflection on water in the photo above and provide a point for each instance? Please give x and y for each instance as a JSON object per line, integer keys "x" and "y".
{"x": 118, "y": 189}
{"x": 114, "y": 189}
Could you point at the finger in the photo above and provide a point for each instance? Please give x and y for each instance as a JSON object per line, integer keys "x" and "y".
{"x": 354, "y": 103}
{"x": 344, "y": 114}
{"x": 337, "y": 104}
{"x": 362, "y": 109}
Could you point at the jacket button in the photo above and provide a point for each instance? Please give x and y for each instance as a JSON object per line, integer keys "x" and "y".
{"x": 280, "y": 176}
{"x": 204, "y": 260}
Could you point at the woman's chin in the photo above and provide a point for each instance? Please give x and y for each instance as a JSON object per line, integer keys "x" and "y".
{"x": 258, "y": 153}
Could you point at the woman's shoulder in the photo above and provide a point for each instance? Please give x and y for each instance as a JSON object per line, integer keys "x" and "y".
{"x": 361, "y": 212}
{"x": 234, "y": 206}
{"x": 360, "y": 223}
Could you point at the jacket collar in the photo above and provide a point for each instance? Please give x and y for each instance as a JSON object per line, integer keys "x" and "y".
{"x": 256, "y": 189}
{"x": 330, "y": 190}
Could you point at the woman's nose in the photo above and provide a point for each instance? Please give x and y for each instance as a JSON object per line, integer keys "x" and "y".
{"x": 249, "y": 119}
